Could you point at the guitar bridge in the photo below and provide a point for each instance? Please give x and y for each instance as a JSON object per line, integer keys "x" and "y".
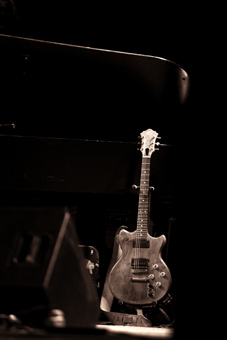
{"x": 139, "y": 265}
{"x": 136, "y": 279}
{"x": 139, "y": 271}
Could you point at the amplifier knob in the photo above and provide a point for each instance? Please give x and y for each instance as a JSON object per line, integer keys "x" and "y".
{"x": 163, "y": 274}
{"x": 155, "y": 266}
{"x": 158, "y": 284}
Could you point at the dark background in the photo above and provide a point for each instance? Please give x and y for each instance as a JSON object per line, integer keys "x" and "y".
{"x": 165, "y": 32}
{"x": 169, "y": 32}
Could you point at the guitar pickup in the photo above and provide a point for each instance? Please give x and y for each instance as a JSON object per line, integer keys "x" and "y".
{"x": 141, "y": 244}
{"x": 139, "y": 263}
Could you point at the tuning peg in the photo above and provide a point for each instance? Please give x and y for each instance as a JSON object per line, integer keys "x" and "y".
{"x": 136, "y": 187}
{"x": 158, "y": 137}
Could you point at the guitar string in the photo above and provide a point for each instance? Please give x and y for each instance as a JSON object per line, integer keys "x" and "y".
{"x": 141, "y": 211}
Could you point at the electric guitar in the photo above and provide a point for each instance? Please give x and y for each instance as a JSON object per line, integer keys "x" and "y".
{"x": 141, "y": 277}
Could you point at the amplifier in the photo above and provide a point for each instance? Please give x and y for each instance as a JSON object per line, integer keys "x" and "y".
{"x": 42, "y": 266}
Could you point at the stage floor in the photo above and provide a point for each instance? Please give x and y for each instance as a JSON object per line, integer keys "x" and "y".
{"x": 146, "y": 332}
{"x": 100, "y": 332}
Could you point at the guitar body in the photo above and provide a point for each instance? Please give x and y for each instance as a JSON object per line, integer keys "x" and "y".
{"x": 140, "y": 276}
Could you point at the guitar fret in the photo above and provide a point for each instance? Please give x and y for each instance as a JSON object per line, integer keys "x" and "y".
{"x": 142, "y": 218}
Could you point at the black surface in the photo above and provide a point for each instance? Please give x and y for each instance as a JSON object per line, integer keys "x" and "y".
{"x": 59, "y": 90}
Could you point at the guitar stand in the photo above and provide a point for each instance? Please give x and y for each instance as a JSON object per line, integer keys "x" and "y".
{"x": 125, "y": 319}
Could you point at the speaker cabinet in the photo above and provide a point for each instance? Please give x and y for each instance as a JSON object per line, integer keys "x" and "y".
{"x": 41, "y": 264}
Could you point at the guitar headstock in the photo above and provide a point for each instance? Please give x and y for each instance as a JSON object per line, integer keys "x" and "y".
{"x": 148, "y": 140}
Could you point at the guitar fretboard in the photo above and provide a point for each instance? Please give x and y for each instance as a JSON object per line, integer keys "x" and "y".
{"x": 143, "y": 207}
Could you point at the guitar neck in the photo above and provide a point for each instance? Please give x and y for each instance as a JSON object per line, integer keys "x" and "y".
{"x": 143, "y": 207}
